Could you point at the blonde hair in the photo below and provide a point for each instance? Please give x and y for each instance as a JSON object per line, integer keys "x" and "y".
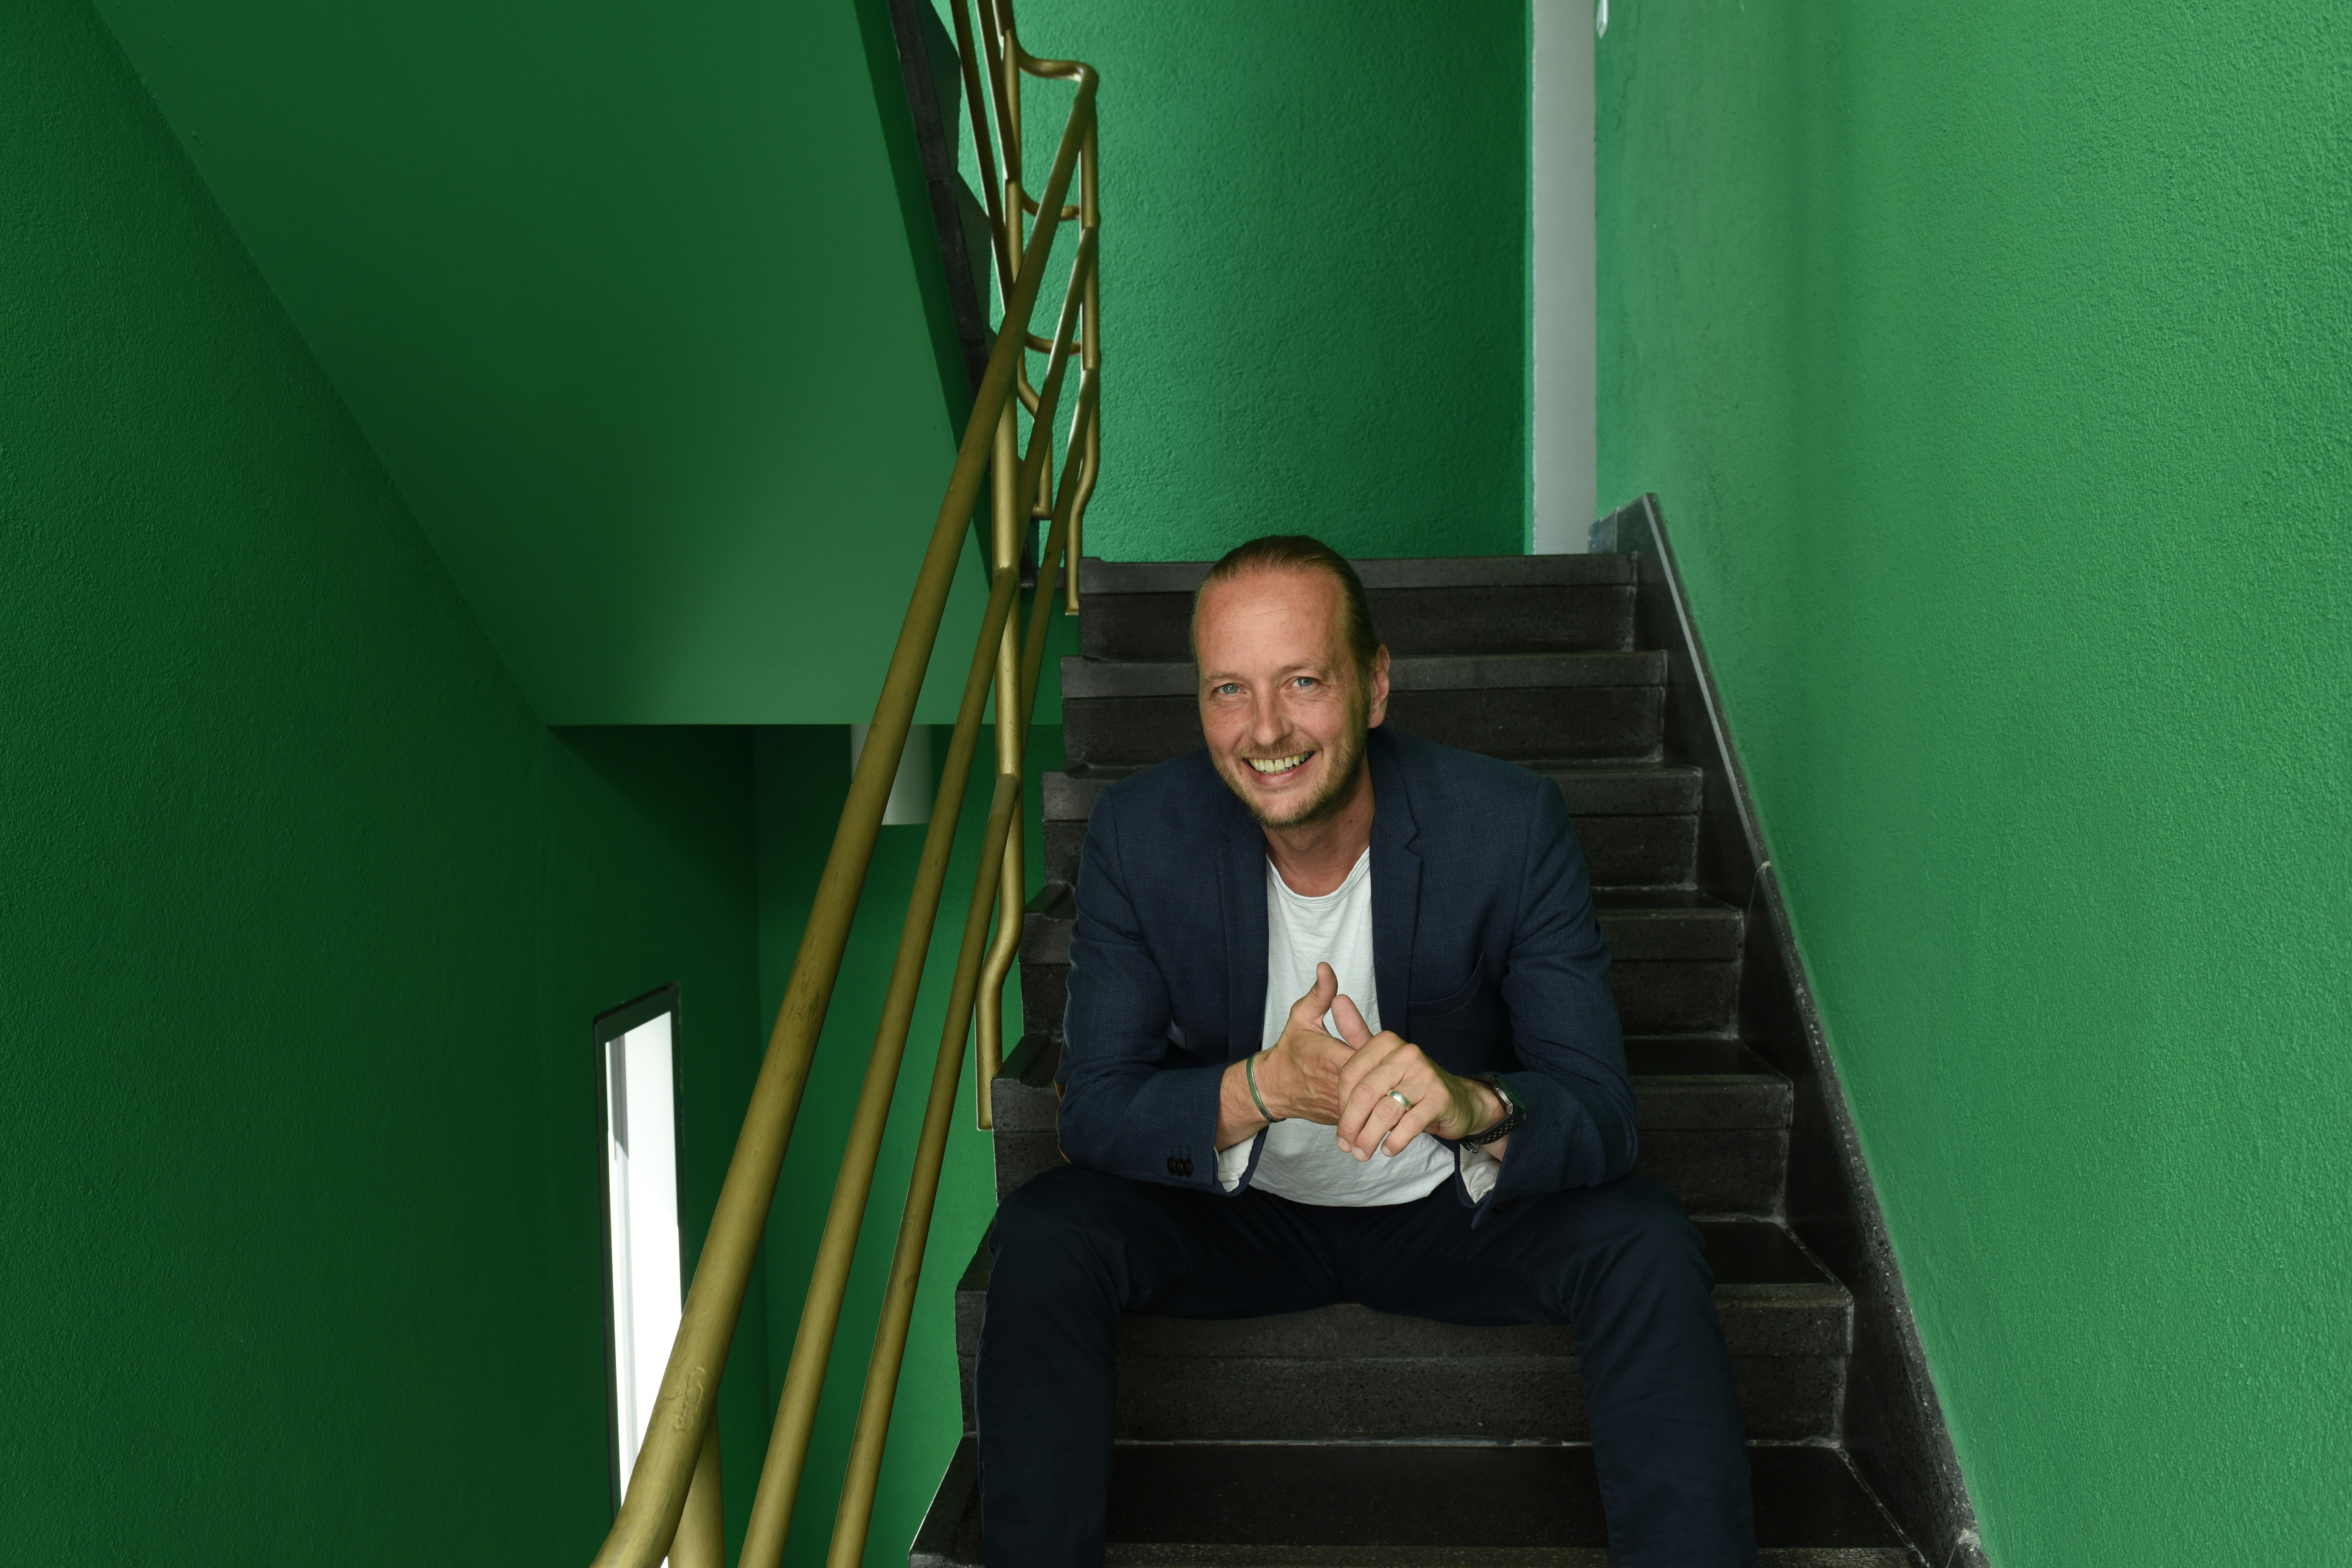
{"x": 1299, "y": 552}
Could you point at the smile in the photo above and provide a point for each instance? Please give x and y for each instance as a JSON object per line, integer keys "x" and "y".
{"x": 1278, "y": 765}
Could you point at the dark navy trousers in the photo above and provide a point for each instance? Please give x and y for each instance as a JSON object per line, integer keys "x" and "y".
{"x": 1074, "y": 1250}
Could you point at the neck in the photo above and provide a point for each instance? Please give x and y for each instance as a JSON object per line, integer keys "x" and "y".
{"x": 1315, "y": 858}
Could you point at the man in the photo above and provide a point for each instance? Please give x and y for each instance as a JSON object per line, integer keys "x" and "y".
{"x": 1438, "y": 1125}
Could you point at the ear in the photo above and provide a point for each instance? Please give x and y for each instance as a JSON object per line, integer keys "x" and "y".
{"x": 1379, "y": 707}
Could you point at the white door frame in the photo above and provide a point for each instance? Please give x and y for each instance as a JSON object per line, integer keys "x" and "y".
{"x": 1561, "y": 448}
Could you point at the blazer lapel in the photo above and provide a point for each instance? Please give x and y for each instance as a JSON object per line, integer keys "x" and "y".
{"x": 1396, "y": 887}
{"x": 1241, "y": 888}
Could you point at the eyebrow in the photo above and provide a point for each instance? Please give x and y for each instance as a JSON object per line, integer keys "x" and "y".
{"x": 1218, "y": 678}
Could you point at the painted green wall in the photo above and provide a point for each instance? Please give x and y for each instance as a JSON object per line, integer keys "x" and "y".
{"x": 303, "y": 922}
{"x": 1314, "y": 271}
{"x": 624, "y": 298}
{"x": 803, "y": 779}
{"x": 1990, "y": 364}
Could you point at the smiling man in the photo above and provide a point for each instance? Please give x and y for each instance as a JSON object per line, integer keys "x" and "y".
{"x": 1340, "y": 1029}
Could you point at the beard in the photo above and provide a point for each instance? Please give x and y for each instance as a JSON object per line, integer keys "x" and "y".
{"x": 1346, "y": 766}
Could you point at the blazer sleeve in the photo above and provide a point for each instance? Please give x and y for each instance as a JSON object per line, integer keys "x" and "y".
{"x": 1134, "y": 1103}
{"x": 1580, "y": 1130}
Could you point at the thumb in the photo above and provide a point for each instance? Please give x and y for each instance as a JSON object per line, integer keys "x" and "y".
{"x": 1307, "y": 1012}
{"x": 1352, "y": 1027}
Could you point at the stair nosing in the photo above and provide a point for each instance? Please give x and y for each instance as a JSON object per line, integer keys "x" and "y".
{"x": 1051, "y": 916}
{"x": 1068, "y": 796}
{"x": 1379, "y": 574}
{"x": 1090, "y": 679}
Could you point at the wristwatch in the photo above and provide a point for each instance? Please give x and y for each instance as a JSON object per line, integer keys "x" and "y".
{"x": 1515, "y": 1113}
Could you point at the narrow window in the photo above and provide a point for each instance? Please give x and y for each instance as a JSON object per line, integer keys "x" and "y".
{"x": 642, "y": 1276}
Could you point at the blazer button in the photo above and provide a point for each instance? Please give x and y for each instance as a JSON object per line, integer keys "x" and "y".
{"x": 1179, "y": 1168}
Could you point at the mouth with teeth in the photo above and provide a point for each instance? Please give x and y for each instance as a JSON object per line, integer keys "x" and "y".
{"x": 1275, "y": 766}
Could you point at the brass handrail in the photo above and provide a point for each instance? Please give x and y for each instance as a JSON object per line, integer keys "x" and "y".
{"x": 671, "y": 1506}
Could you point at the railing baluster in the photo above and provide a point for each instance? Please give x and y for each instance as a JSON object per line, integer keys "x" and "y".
{"x": 779, "y": 1474}
{"x": 856, "y": 1511}
{"x": 672, "y": 1504}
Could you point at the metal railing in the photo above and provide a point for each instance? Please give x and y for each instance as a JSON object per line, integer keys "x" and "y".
{"x": 672, "y": 1504}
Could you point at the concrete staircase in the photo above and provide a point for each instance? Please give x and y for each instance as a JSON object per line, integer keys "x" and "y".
{"x": 1286, "y": 1440}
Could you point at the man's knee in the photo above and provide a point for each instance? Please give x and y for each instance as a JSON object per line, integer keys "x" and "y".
{"x": 1630, "y": 1240}
{"x": 1062, "y": 1228}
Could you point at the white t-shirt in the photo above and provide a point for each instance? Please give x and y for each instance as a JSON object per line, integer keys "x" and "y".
{"x": 1303, "y": 1161}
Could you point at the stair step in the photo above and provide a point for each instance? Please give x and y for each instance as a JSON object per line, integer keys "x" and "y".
{"x": 1695, "y": 1085}
{"x": 1464, "y": 604}
{"x": 1336, "y": 1505}
{"x": 1120, "y": 712}
{"x": 1279, "y": 1442}
{"x": 1637, "y": 823}
{"x": 1678, "y": 972}
{"x": 1729, "y": 1172}
{"x": 1648, "y": 925}
{"x": 1595, "y": 789}
{"x": 1379, "y": 574}
{"x": 1652, "y": 998}
{"x": 1718, "y": 1141}
{"x": 1085, "y": 679}
{"x": 1618, "y": 851}
{"x": 1341, "y": 1372}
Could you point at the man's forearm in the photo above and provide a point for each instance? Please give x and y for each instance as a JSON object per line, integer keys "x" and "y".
{"x": 1491, "y": 1110}
{"x": 1237, "y": 1116}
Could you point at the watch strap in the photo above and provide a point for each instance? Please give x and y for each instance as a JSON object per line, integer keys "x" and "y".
{"x": 1515, "y": 1113}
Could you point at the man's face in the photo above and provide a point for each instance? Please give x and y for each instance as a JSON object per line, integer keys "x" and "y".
{"x": 1282, "y": 703}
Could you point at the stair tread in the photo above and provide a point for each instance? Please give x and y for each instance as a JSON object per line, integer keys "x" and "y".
{"x": 1327, "y": 1505}
{"x": 1268, "y": 1442}
{"x": 1096, "y": 576}
{"x": 1679, "y": 1085}
{"x": 1592, "y": 788}
{"x": 1641, "y": 925}
{"x": 1773, "y": 1298}
{"x": 1700, "y": 1057}
{"x": 1742, "y": 1252}
{"x": 1085, "y": 678}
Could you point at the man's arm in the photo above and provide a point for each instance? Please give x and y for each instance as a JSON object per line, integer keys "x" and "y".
{"x": 1580, "y": 1130}
{"x": 1128, "y": 1108}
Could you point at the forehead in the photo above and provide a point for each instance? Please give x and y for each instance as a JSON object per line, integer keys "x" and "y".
{"x": 1291, "y": 608}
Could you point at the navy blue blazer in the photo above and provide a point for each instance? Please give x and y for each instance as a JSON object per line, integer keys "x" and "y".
{"x": 1485, "y": 952}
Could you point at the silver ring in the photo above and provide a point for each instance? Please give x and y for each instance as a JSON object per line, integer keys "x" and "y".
{"x": 1400, "y": 1099}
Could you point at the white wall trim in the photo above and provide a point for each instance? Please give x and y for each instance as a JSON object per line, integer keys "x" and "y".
{"x": 1561, "y": 446}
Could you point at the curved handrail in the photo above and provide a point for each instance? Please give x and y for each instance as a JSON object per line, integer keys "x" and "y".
{"x": 676, "y": 1477}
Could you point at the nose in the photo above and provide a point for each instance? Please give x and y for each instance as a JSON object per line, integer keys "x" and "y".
{"x": 1267, "y": 724}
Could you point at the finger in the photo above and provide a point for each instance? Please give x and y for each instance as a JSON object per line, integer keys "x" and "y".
{"x": 1371, "y": 1061}
{"x": 1378, "y": 1116}
{"x": 1413, "y": 1124}
{"x": 1375, "y": 1057}
{"x": 1316, "y": 1059}
{"x": 1307, "y": 1012}
{"x": 1350, "y": 1019}
{"x": 1366, "y": 1109}
{"x": 1388, "y": 1062}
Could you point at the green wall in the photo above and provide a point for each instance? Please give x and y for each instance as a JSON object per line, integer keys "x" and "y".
{"x": 1989, "y": 365}
{"x": 306, "y": 920}
{"x": 1314, "y": 271}
{"x": 624, "y": 298}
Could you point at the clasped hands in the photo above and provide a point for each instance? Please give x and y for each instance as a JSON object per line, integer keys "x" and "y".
{"x": 1351, "y": 1083}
